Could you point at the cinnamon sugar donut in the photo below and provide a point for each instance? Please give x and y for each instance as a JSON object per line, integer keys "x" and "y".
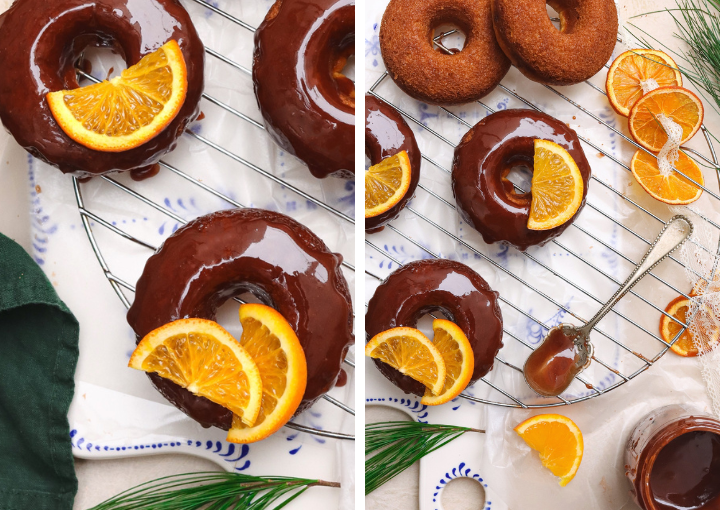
{"x": 429, "y": 75}
{"x": 582, "y": 46}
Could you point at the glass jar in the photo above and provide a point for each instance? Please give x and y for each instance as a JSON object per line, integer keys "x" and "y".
{"x": 672, "y": 460}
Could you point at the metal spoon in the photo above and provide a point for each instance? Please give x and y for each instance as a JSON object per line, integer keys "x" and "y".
{"x": 566, "y": 350}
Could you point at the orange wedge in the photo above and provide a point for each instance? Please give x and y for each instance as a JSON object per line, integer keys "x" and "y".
{"x": 557, "y": 187}
{"x": 684, "y": 346}
{"x": 558, "y": 441}
{"x": 677, "y": 103}
{"x": 276, "y": 350}
{"x": 202, "y": 357}
{"x": 386, "y": 184}
{"x": 673, "y": 188}
{"x": 630, "y": 69}
{"x": 128, "y": 110}
{"x": 459, "y": 361}
{"x": 412, "y": 353}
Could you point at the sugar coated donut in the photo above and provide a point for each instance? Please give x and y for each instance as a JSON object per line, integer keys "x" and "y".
{"x": 40, "y": 43}
{"x": 582, "y": 46}
{"x": 437, "y": 285}
{"x": 486, "y": 199}
{"x": 432, "y": 76}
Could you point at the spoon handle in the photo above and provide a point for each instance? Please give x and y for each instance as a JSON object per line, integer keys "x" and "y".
{"x": 675, "y": 233}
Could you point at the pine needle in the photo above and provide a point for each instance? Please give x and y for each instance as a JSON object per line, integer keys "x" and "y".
{"x": 394, "y": 446}
{"x": 212, "y": 491}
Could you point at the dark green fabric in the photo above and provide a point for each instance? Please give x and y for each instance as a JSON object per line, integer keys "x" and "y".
{"x": 38, "y": 355}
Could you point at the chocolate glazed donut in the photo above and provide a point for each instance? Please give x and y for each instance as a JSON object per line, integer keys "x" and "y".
{"x": 576, "y": 52}
{"x": 41, "y": 41}
{"x": 386, "y": 134}
{"x": 425, "y": 73}
{"x": 307, "y": 104}
{"x": 486, "y": 199}
{"x": 281, "y": 262}
{"x": 437, "y": 285}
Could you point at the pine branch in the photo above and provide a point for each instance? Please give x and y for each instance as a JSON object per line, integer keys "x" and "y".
{"x": 212, "y": 491}
{"x": 394, "y": 446}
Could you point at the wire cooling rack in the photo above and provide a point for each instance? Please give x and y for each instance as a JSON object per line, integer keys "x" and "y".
{"x": 88, "y": 217}
{"x": 513, "y": 341}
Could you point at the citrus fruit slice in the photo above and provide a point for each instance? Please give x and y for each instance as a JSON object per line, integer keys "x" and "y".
{"x": 386, "y": 183}
{"x": 558, "y": 441}
{"x": 557, "y": 187}
{"x": 276, "y": 350}
{"x": 459, "y": 361}
{"x": 412, "y": 353}
{"x": 126, "y": 111}
{"x": 202, "y": 357}
{"x": 672, "y": 188}
{"x": 628, "y": 72}
{"x": 676, "y": 103}
{"x": 684, "y": 346}
{"x": 702, "y": 284}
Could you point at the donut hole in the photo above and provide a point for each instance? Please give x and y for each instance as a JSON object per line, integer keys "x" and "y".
{"x": 227, "y": 313}
{"x": 463, "y": 493}
{"x": 516, "y": 178}
{"x": 343, "y": 74}
{"x": 425, "y": 322}
{"x": 101, "y": 62}
{"x": 562, "y": 16}
{"x": 449, "y": 38}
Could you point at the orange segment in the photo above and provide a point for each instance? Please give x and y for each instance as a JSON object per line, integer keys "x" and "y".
{"x": 202, "y": 357}
{"x": 684, "y": 346}
{"x": 673, "y": 188}
{"x": 558, "y": 441}
{"x": 128, "y": 110}
{"x": 676, "y": 103}
{"x": 386, "y": 184}
{"x": 412, "y": 353}
{"x": 276, "y": 350}
{"x": 459, "y": 361}
{"x": 557, "y": 187}
{"x": 629, "y": 70}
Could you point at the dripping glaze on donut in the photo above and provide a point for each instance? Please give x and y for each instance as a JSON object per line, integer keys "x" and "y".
{"x": 308, "y": 106}
{"x": 577, "y": 51}
{"x": 386, "y": 134}
{"x": 40, "y": 42}
{"x": 485, "y": 198}
{"x": 437, "y": 285}
{"x": 432, "y": 76}
{"x": 268, "y": 254}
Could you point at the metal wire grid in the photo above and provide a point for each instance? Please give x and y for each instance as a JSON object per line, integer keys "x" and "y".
{"x": 118, "y": 284}
{"x": 513, "y": 401}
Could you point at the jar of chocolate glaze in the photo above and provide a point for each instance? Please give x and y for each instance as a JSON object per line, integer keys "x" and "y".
{"x": 672, "y": 460}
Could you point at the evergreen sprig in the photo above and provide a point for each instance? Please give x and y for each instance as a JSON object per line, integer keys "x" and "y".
{"x": 393, "y": 446}
{"x": 212, "y": 491}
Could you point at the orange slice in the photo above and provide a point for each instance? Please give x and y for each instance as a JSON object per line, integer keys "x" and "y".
{"x": 677, "y": 103}
{"x": 558, "y": 441}
{"x": 459, "y": 361}
{"x": 202, "y": 357}
{"x": 128, "y": 110}
{"x": 276, "y": 350}
{"x": 702, "y": 284}
{"x": 386, "y": 183}
{"x": 673, "y": 188}
{"x": 557, "y": 187}
{"x": 412, "y": 353}
{"x": 684, "y": 346}
{"x": 630, "y": 69}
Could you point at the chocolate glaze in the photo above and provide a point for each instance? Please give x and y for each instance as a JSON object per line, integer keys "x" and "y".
{"x": 551, "y": 367}
{"x": 224, "y": 254}
{"x": 41, "y": 41}
{"x": 386, "y": 134}
{"x": 486, "y": 200}
{"x": 307, "y": 104}
{"x": 437, "y": 285}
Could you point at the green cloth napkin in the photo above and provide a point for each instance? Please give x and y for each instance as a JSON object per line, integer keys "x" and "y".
{"x": 38, "y": 355}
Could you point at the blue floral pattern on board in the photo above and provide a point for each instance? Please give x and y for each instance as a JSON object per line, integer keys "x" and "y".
{"x": 461, "y": 471}
{"x": 40, "y": 222}
{"x": 412, "y": 405}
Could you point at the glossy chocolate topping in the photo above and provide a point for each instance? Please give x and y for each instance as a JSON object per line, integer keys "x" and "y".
{"x": 486, "y": 199}
{"x": 40, "y": 42}
{"x": 386, "y": 134}
{"x": 437, "y": 285}
{"x": 221, "y": 255}
{"x": 307, "y": 104}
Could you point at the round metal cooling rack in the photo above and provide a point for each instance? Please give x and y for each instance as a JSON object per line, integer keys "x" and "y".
{"x": 118, "y": 284}
{"x": 646, "y": 362}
